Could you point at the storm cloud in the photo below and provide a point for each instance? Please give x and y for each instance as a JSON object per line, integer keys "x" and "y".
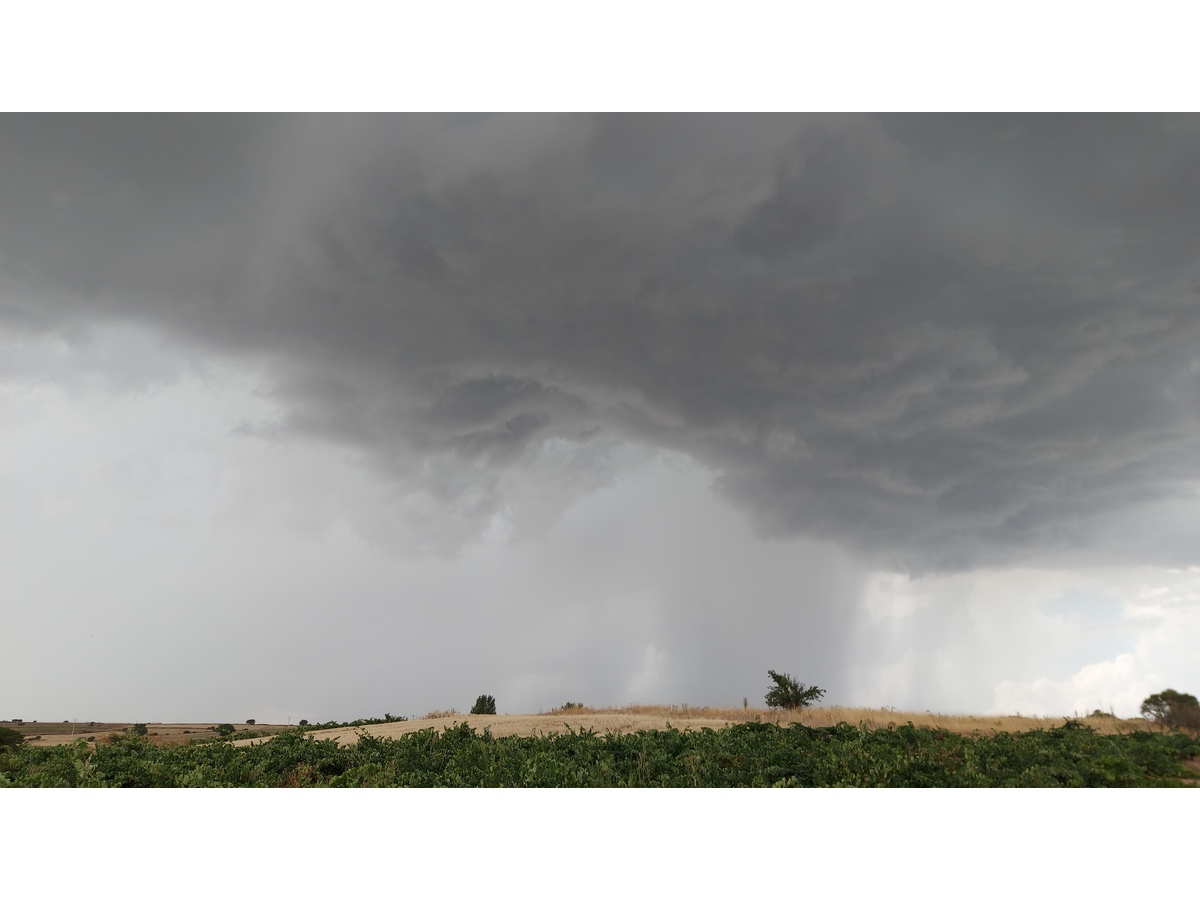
{"x": 944, "y": 340}
{"x": 939, "y": 342}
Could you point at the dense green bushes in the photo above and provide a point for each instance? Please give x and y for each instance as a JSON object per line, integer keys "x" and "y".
{"x": 747, "y": 755}
{"x": 10, "y": 737}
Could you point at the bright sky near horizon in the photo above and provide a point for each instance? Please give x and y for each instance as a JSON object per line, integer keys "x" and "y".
{"x": 333, "y": 416}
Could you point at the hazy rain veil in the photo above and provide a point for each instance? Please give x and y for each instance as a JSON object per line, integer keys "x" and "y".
{"x": 506, "y": 357}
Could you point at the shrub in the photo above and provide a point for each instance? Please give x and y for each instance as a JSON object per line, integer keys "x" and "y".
{"x": 139, "y": 729}
{"x": 788, "y": 693}
{"x": 485, "y": 705}
{"x": 1172, "y": 709}
{"x": 303, "y": 722}
{"x": 225, "y": 730}
{"x": 10, "y": 737}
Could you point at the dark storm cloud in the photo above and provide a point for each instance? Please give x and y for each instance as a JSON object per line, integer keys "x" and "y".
{"x": 945, "y": 340}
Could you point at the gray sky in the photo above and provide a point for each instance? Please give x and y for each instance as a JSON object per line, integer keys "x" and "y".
{"x": 331, "y": 416}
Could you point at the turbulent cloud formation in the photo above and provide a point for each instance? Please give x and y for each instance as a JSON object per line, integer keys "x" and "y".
{"x": 943, "y": 340}
{"x": 942, "y": 343}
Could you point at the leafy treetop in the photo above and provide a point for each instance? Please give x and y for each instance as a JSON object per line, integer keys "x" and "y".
{"x": 788, "y": 693}
{"x": 485, "y": 705}
{"x": 1172, "y": 709}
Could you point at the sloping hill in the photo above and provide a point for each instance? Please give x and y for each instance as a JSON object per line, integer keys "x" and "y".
{"x": 627, "y": 720}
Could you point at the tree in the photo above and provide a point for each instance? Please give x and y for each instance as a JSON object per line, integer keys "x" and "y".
{"x": 225, "y": 730}
{"x": 1172, "y": 709}
{"x": 139, "y": 729}
{"x": 788, "y": 693}
{"x": 303, "y": 722}
{"x": 10, "y": 737}
{"x": 249, "y": 721}
{"x": 485, "y": 705}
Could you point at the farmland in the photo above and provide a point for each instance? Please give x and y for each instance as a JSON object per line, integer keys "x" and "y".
{"x": 699, "y": 748}
{"x": 53, "y": 734}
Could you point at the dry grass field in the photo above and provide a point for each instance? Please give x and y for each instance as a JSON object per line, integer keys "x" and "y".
{"x": 628, "y": 719}
{"x": 625, "y": 719}
{"x": 50, "y": 734}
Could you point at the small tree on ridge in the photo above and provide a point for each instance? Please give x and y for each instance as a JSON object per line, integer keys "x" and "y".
{"x": 1172, "y": 709}
{"x": 485, "y": 705}
{"x": 788, "y": 693}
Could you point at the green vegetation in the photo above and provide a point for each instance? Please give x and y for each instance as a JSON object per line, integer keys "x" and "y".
{"x": 1172, "y": 709}
{"x": 788, "y": 693}
{"x": 10, "y": 737}
{"x": 485, "y": 705}
{"x": 746, "y": 755}
{"x": 139, "y": 729}
{"x": 225, "y": 730}
{"x": 249, "y": 721}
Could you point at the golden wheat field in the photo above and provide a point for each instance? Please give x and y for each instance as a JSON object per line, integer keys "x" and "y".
{"x": 627, "y": 719}
{"x": 623, "y": 719}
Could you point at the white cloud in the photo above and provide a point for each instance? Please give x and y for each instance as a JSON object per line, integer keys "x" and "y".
{"x": 1039, "y": 641}
{"x": 1159, "y": 608}
{"x": 1117, "y": 685}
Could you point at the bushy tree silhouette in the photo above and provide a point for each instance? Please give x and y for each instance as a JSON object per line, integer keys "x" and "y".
{"x": 788, "y": 693}
{"x": 1172, "y": 709}
{"x": 485, "y": 705}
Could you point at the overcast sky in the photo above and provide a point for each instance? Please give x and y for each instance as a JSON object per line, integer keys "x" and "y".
{"x": 332, "y": 416}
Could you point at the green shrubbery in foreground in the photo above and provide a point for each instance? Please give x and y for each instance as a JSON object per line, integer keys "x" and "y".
{"x": 746, "y": 755}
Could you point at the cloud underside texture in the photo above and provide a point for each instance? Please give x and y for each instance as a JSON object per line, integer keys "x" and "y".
{"x": 941, "y": 341}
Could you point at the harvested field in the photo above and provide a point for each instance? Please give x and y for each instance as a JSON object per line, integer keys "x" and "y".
{"x": 624, "y": 720}
{"x": 631, "y": 719}
{"x": 53, "y": 734}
